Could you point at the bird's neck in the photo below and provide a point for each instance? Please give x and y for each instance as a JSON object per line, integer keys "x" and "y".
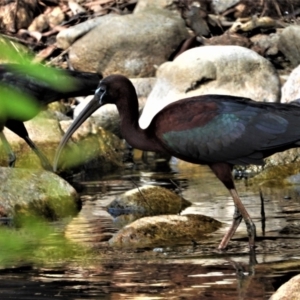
{"x": 130, "y": 129}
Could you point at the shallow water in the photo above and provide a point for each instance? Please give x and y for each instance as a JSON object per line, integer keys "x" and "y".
{"x": 183, "y": 272}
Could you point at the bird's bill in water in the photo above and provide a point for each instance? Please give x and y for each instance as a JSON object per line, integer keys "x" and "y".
{"x": 91, "y": 107}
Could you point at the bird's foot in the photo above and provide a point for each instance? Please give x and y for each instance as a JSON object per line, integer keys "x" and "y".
{"x": 237, "y": 218}
{"x": 46, "y": 166}
{"x": 251, "y": 229}
{"x": 11, "y": 160}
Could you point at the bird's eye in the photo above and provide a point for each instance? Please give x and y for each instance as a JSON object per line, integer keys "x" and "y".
{"x": 100, "y": 90}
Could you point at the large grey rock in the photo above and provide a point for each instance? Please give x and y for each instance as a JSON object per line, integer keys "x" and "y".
{"x": 24, "y": 191}
{"x": 146, "y": 4}
{"x": 65, "y": 38}
{"x": 131, "y": 45}
{"x": 229, "y": 70}
{"x": 289, "y": 44}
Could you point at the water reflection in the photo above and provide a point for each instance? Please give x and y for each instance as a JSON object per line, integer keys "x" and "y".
{"x": 185, "y": 272}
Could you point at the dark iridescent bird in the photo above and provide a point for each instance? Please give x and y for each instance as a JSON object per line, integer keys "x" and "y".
{"x": 216, "y": 130}
{"x": 16, "y": 77}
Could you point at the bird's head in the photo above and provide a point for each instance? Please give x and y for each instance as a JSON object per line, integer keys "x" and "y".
{"x": 112, "y": 89}
{"x": 109, "y": 90}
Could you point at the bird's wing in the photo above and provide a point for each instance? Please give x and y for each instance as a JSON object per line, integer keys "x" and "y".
{"x": 68, "y": 83}
{"x": 16, "y": 77}
{"x": 210, "y": 129}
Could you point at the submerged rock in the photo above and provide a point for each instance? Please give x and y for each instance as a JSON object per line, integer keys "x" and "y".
{"x": 277, "y": 175}
{"x": 148, "y": 201}
{"x": 165, "y": 230}
{"x": 41, "y": 193}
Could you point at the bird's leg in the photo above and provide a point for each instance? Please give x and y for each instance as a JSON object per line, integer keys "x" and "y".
{"x": 8, "y": 150}
{"x": 239, "y": 214}
{"x": 237, "y": 218}
{"x": 224, "y": 172}
{"x": 242, "y": 210}
{"x": 262, "y": 212}
{"x": 43, "y": 159}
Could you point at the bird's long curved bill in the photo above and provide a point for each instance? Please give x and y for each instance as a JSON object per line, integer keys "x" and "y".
{"x": 92, "y": 106}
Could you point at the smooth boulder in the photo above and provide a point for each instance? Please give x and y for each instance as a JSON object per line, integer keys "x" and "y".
{"x": 132, "y": 45}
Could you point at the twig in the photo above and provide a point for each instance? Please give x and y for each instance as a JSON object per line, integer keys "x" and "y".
{"x": 15, "y": 16}
{"x": 57, "y": 57}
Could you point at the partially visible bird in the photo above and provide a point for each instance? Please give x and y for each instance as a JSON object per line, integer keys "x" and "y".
{"x": 216, "y": 130}
{"x": 17, "y": 77}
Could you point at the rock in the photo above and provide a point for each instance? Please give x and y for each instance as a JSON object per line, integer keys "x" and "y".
{"x": 123, "y": 220}
{"x": 143, "y": 86}
{"x": 145, "y": 201}
{"x": 146, "y": 4}
{"x": 277, "y": 175}
{"x": 290, "y": 90}
{"x": 289, "y": 44}
{"x": 95, "y": 148}
{"x": 265, "y": 44}
{"x": 222, "y": 5}
{"x": 107, "y": 116}
{"x": 229, "y": 39}
{"x": 56, "y": 16}
{"x": 41, "y": 193}
{"x": 17, "y": 15}
{"x": 132, "y": 54}
{"x": 76, "y": 8}
{"x": 293, "y": 179}
{"x": 254, "y": 23}
{"x": 285, "y": 157}
{"x": 149, "y": 201}
{"x": 40, "y": 23}
{"x": 45, "y": 133}
{"x": 246, "y": 8}
{"x": 67, "y": 37}
{"x": 230, "y": 70}
{"x": 164, "y": 230}
{"x": 93, "y": 144}
{"x": 291, "y": 227}
{"x": 289, "y": 290}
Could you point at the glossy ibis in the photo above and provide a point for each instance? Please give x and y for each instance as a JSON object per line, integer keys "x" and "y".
{"x": 17, "y": 77}
{"x": 216, "y": 130}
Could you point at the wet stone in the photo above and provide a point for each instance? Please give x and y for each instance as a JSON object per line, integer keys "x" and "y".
{"x": 165, "y": 230}
{"x": 148, "y": 201}
{"x": 41, "y": 193}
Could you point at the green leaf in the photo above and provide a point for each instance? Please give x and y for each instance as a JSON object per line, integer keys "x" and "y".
{"x": 15, "y": 105}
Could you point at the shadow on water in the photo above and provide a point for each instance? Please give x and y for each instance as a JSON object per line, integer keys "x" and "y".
{"x": 183, "y": 272}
